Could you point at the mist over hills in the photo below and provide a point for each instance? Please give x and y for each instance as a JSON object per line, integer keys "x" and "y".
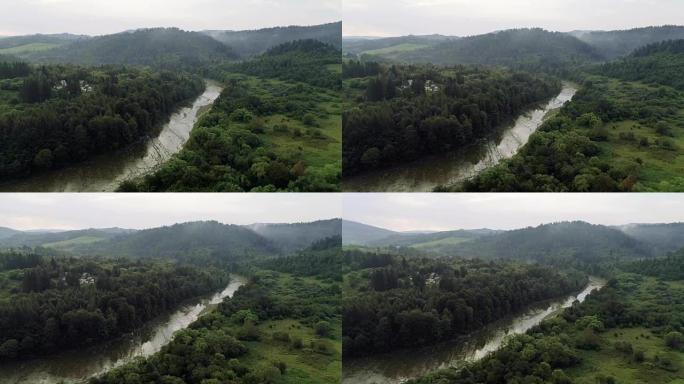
{"x": 530, "y": 48}
{"x": 163, "y": 47}
{"x": 254, "y": 42}
{"x": 183, "y": 241}
{"x": 577, "y": 240}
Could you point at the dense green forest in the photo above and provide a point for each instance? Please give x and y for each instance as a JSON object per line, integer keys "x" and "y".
{"x": 166, "y": 48}
{"x": 276, "y": 132}
{"x": 395, "y": 113}
{"x": 281, "y": 101}
{"x": 395, "y": 302}
{"x": 52, "y": 116}
{"x": 615, "y": 44}
{"x": 51, "y": 304}
{"x": 532, "y": 49}
{"x": 628, "y": 332}
{"x": 621, "y": 132}
{"x": 256, "y": 42}
{"x": 614, "y": 136}
{"x": 282, "y": 327}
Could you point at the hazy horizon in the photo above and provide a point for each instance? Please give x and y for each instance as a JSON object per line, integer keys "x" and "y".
{"x": 388, "y": 18}
{"x": 102, "y": 17}
{"x": 444, "y": 212}
{"x": 66, "y": 211}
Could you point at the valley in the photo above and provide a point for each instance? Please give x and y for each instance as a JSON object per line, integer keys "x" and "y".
{"x": 137, "y": 146}
{"x": 622, "y": 140}
{"x": 437, "y": 305}
{"x": 90, "y": 305}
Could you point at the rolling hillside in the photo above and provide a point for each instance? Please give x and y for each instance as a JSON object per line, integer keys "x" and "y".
{"x": 298, "y": 236}
{"x": 354, "y": 233}
{"x": 614, "y": 44}
{"x": 160, "y": 47}
{"x": 534, "y": 49}
{"x": 255, "y": 42}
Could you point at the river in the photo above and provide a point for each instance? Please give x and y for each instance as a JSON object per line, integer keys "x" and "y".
{"x": 404, "y": 365}
{"x": 79, "y": 365}
{"x": 453, "y": 168}
{"x": 104, "y": 173}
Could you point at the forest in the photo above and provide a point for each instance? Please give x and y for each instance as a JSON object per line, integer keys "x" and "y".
{"x": 282, "y": 327}
{"x": 49, "y": 304}
{"x": 393, "y": 302}
{"x": 274, "y": 128}
{"x": 628, "y": 332}
{"x": 396, "y": 113}
{"x": 53, "y": 116}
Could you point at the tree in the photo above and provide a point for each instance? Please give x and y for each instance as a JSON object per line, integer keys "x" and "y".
{"x": 43, "y": 159}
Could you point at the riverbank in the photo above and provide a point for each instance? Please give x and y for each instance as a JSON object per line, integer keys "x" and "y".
{"x": 77, "y": 366}
{"x": 105, "y": 173}
{"x": 427, "y": 174}
{"x": 404, "y": 365}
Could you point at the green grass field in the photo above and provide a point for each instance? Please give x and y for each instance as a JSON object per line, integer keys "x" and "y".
{"x": 320, "y": 146}
{"x": 405, "y": 47}
{"x": 650, "y": 295}
{"x": 67, "y": 244}
{"x": 662, "y": 167}
{"x": 28, "y": 48}
{"x": 305, "y": 365}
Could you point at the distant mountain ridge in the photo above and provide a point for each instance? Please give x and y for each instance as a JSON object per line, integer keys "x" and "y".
{"x": 555, "y": 241}
{"x": 525, "y": 47}
{"x": 162, "y": 47}
{"x": 254, "y": 42}
{"x": 201, "y": 239}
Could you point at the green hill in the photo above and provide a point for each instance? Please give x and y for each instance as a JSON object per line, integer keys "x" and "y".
{"x": 354, "y": 233}
{"x": 194, "y": 242}
{"x": 614, "y": 44}
{"x": 532, "y": 49}
{"x": 160, "y": 47}
{"x": 657, "y": 63}
{"x": 577, "y": 240}
{"x": 298, "y": 236}
{"x": 255, "y": 42}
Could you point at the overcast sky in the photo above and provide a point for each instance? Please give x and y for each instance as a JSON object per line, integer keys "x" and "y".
{"x": 416, "y": 211}
{"x": 472, "y": 17}
{"x": 97, "y": 17}
{"x": 103, "y": 210}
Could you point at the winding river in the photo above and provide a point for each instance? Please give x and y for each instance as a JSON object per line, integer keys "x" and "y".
{"x": 104, "y": 173}
{"x": 453, "y": 168}
{"x": 77, "y": 366}
{"x": 402, "y": 366}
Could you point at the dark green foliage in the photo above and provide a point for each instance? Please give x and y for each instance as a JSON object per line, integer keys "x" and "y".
{"x": 194, "y": 242}
{"x": 12, "y": 69}
{"x": 566, "y": 153}
{"x": 668, "y": 268}
{"x": 298, "y": 236}
{"x": 401, "y": 302}
{"x": 69, "y": 303}
{"x": 614, "y": 44}
{"x": 559, "y": 343}
{"x": 409, "y": 112}
{"x": 303, "y": 61}
{"x": 212, "y": 350}
{"x": 322, "y": 259}
{"x": 78, "y": 113}
{"x": 222, "y": 155}
{"x": 658, "y": 63}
